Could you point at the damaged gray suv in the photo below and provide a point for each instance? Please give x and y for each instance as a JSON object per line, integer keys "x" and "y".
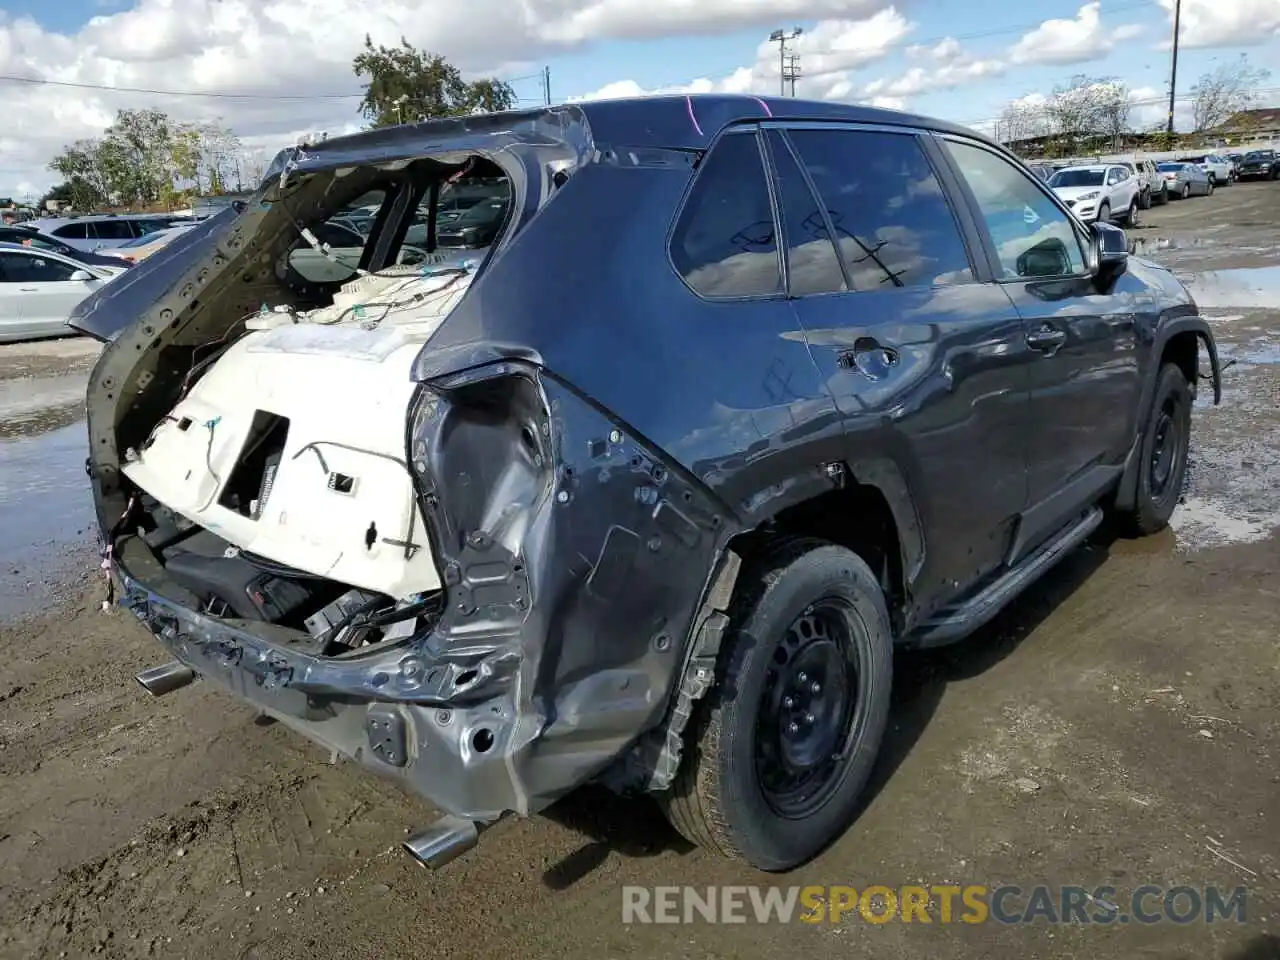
{"x": 623, "y": 442}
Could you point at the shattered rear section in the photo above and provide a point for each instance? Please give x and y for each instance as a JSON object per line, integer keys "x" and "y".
{"x": 482, "y": 584}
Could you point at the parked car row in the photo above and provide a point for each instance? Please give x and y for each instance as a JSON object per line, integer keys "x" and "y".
{"x": 1116, "y": 190}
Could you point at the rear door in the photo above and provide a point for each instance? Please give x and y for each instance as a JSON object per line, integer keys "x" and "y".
{"x": 1085, "y": 378}
{"x": 924, "y": 355}
{"x": 45, "y": 288}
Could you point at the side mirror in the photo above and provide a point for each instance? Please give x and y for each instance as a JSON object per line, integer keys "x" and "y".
{"x": 1108, "y": 252}
{"x": 82, "y": 275}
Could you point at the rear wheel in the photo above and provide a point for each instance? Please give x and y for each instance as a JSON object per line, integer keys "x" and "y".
{"x": 779, "y": 752}
{"x": 1163, "y": 196}
{"x": 1162, "y": 458}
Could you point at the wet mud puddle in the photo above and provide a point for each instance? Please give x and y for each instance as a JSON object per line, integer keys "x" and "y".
{"x": 46, "y": 512}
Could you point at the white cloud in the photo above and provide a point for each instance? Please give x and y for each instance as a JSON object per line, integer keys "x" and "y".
{"x": 272, "y": 47}
{"x": 1225, "y": 23}
{"x": 956, "y": 68}
{"x": 1078, "y": 40}
{"x": 828, "y": 54}
{"x": 943, "y": 51}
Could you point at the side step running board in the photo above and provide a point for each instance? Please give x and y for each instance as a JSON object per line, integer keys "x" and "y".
{"x": 959, "y": 622}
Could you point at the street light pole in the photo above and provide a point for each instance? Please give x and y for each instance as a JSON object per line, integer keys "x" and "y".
{"x": 788, "y": 65}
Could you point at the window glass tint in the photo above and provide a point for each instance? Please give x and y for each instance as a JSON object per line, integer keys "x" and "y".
{"x": 892, "y": 222}
{"x": 29, "y": 268}
{"x": 725, "y": 243}
{"x": 73, "y": 231}
{"x": 812, "y": 265}
{"x": 112, "y": 230}
{"x": 1032, "y": 236}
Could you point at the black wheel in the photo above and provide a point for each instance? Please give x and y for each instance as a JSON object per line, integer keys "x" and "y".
{"x": 1162, "y": 458}
{"x": 1104, "y": 212}
{"x": 778, "y": 753}
{"x": 1164, "y": 194}
{"x": 1144, "y": 199}
{"x": 1186, "y": 191}
{"x": 1209, "y": 191}
{"x": 1131, "y": 217}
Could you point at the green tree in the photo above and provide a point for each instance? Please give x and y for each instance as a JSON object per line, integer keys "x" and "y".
{"x": 405, "y": 85}
{"x": 79, "y": 165}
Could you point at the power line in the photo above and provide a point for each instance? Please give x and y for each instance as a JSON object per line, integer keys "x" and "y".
{"x": 211, "y": 95}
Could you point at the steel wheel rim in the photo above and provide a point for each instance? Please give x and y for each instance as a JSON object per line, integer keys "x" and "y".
{"x": 811, "y": 710}
{"x": 1165, "y": 449}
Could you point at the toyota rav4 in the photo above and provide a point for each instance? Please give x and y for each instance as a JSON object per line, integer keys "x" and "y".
{"x": 648, "y": 484}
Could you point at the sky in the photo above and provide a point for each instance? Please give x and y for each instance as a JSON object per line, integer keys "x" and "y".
{"x": 276, "y": 71}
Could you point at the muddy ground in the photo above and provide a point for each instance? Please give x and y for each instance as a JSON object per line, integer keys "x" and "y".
{"x": 1120, "y": 725}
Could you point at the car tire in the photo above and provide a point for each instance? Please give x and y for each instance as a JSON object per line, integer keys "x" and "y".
{"x": 812, "y": 610}
{"x": 1209, "y": 191}
{"x": 1162, "y": 455}
{"x": 1186, "y": 191}
{"x": 1104, "y": 212}
{"x": 1144, "y": 199}
{"x": 1163, "y": 197}
{"x": 1131, "y": 217}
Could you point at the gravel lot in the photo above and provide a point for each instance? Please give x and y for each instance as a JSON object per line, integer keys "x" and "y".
{"x": 1120, "y": 725}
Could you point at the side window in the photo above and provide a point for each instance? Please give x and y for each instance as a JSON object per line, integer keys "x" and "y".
{"x": 73, "y": 231}
{"x": 346, "y": 242}
{"x": 1032, "y": 236}
{"x": 892, "y": 222}
{"x": 724, "y": 244}
{"x": 812, "y": 263}
{"x": 112, "y": 230}
{"x": 29, "y": 268}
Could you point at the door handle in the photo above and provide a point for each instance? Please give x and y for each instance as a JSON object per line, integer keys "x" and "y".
{"x": 1047, "y": 338}
{"x": 28, "y": 290}
{"x": 869, "y": 357}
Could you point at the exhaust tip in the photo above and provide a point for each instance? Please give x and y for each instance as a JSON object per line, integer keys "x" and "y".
{"x": 443, "y": 842}
{"x": 165, "y": 678}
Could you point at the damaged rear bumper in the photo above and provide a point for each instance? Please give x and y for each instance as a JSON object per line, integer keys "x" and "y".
{"x": 433, "y": 723}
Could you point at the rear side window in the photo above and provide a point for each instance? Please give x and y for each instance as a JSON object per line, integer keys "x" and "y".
{"x": 892, "y": 221}
{"x": 112, "y": 230}
{"x": 73, "y": 231}
{"x": 725, "y": 243}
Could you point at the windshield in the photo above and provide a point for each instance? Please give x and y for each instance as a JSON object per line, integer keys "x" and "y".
{"x": 1077, "y": 178}
{"x": 1259, "y": 155}
{"x": 1170, "y": 167}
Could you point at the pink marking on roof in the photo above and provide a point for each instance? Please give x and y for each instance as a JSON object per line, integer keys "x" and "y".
{"x": 688, "y": 102}
{"x": 767, "y": 111}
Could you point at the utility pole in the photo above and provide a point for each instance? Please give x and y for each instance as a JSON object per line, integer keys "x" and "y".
{"x": 546, "y": 85}
{"x": 1173, "y": 68}
{"x": 788, "y": 64}
{"x": 791, "y": 70}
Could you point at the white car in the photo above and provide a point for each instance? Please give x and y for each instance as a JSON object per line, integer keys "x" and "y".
{"x": 1103, "y": 191}
{"x": 39, "y": 289}
{"x": 1220, "y": 169}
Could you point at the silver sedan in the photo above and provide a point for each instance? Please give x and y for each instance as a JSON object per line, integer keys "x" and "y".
{"x": 1183, "y": 180}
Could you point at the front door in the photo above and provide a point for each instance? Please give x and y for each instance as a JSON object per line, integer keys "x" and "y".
{"x": 927, "y": 363}
{"x": 1086, "y": 376}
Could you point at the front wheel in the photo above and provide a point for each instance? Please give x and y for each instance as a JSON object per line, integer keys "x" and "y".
{"x": 1104, "y": 212}
{"x": 779, "y": 752}
{"x": 1162, "y": 457}
{"x": 1131, "y": 218}
{"x": 1144, "y": 200}
{"x": 1186, "y": 191}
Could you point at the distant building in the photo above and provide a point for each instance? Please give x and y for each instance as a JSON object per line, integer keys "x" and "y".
{"x": 1251, "y": 126}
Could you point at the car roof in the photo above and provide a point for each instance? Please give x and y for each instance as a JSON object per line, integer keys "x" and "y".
{"x": 672, "y": 121}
